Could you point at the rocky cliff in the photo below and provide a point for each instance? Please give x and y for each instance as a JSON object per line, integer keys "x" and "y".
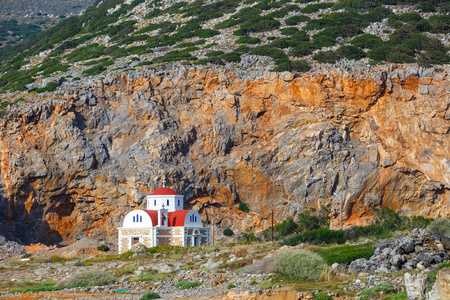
{"x": 74, "y": 162}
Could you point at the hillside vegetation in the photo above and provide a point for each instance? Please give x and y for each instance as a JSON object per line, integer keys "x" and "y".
{"x": 118, "y": 34}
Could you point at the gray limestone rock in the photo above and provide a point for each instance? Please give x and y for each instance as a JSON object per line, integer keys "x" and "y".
{"x": 416, "y": 285}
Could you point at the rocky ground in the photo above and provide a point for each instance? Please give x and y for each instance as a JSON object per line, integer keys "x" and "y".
{"x": 218, "y": 268}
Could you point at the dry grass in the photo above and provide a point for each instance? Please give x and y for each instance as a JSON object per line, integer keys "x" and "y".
{"x": 125, "y": 270}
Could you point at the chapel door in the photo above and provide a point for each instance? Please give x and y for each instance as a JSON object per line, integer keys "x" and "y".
{"x": 134, "y": 241}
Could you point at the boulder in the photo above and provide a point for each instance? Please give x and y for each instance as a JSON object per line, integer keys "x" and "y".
{"x": 441, "y": 289}
{"x": 416, "y": 285}
{"x": 136, "y": 248}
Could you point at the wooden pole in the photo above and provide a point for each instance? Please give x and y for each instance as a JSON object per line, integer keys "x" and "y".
{"x": 340, "y": 209}
{"x": 272, "y": 225}
{"x": 213, "y": 233}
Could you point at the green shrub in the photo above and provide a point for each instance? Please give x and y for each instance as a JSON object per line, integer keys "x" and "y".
{"x": 103, "y": 248}
{"x": 377, "y": 14}
{"x": 214, "y": 53}
{"x": 296, "y": 20}
{"x": 259, "y": 25}
{"x": 374, "y": 230}
{"x": 377, "y": 291}
{"x": 440, "y": 23}
{"x": 94, "y": 70}
{"x": 324, "y": 236}
{"x": 440, "y": 226}
{"x": 322, "y": 296}
{"x": 232, "y": 57}
{"x": 50, "y": 87}
{"x": 231, "y": 286}
{"x": 346, "y": 254}
{"x": 291, "y": 240}
{"x": 302, "y": 49}
{"x": 289, "y": 31}
{"x": 248, "y": 237}
{"x": 286, "y": 227}
{"x": 307, "y": 221}
{"x": 151, "y": 295}
{"x": 426, "y": 7}
{"x": 57, "y": 258}
{"x": 244, "y": 207}
{"x": 321, "y": 41}
{"x": 312, "y": 8}
{"x": 176, "y": 55}
{"x": 185, "y": 285}
{"x": 301, "y": 264}
{"x": 368, "y": 41}
{"x": 350, "y": 52}
{"x": 272, "y": 52}
{"x": 247, "y": 40}
{"x": 228, "y": 232}
{"x": 93, "y": 277}
{"x": 428, "y": 58}
{"x": 379, "y": 53}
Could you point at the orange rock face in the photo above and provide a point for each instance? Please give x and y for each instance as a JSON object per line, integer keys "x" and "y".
{"x": 74, "y": 164}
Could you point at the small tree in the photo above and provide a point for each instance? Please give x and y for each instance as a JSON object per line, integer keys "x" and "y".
{"x": 228, "y": 232}
{"x": 286, "y": 227}
{"x": 244, "y": 207}
{"x": 308, "y": 222}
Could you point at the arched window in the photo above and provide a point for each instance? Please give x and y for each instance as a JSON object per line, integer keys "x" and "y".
{"x": 167, "y": 202}
{"x": 140, "y": 219}
{"x": 195, "y": 218}
{"x": 155, "y": 202}
{"x": 134, "y": 219}
{"x": 178, "y": 202}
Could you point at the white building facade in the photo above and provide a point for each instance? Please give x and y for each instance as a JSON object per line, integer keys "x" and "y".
{"x": 165, "y": 222}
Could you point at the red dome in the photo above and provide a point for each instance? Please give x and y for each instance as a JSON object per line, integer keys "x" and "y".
{"x": 176, "y": 218}
{"x": 164, "y": 192}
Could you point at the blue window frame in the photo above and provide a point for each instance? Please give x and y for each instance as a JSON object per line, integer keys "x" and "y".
{"x": 140, "y": 219}
{"x": 134, "y": 219}
{"x": 167, "y": 202}
{"x": 155, "y": 202}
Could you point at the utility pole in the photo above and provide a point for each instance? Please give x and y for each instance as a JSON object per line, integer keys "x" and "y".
{"x": 272, "y": 223}
{"x": 340, "y": 209}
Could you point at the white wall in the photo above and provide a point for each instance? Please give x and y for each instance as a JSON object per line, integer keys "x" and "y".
{"x": 137, "y": 219}
{"x": 193, "y": 219}
{"x": 160, "y": 200}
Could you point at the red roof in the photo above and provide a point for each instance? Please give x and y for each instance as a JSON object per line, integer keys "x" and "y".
{"x": 164, "y": 192}
{"x": 176, "y": 218}
{"x": 153, "y": 215}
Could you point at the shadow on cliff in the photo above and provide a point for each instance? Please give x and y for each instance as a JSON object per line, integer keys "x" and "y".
{"x": 23, "y": 226}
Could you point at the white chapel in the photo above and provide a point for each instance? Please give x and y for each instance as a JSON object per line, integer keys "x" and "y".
{"x": 163, "y": 223}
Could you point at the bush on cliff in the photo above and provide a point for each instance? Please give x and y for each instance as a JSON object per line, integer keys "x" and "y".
{"x": 440, "y": 226}
{"x": 228, "y": 232}
{"x": 301, "y": 264}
